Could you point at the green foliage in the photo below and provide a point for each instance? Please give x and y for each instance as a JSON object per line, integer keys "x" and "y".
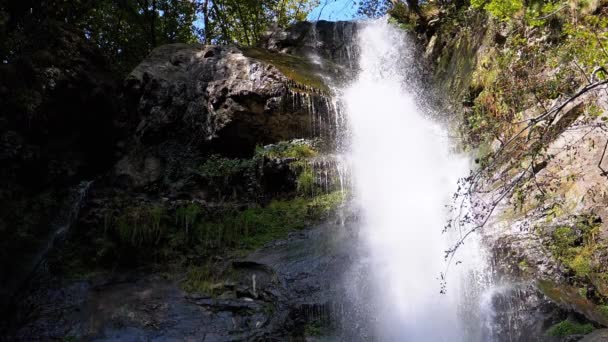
{"x": 224, "y": 175}
{"x": 567, "y": 328}
{"x": 141, "y": 225}
{"x": 501, "y": 9}
{"x": 587, "y": 40}
{"x": 186, "y": 216}
{"x": 603, "y": 310}
{"x": 306, "y": 182}
{"x": 539, "y": 13}
{"x": 149, "y": 232}
{"x": 563, "y": 239}
{"x": 593, "y": 110}
{"x": 523, "y": 266}
{"x": 575, "y": 246}
{"x": 287, "y": 149}
{"x": 373, "y": 8}
{"x": 199, "y": 279}
{"x": 217, "y": 166}
{"x": 254, "y": 227}
{"x": 128, "y": 30}
{"x": 244, "y": 21}
{"x": 313, "y": 329}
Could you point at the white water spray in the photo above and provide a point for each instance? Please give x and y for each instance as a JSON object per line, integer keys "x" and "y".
{"x": 403, "y": 175}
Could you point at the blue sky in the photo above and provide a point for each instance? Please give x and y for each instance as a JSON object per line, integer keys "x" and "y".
{"x": 334, "y": 10}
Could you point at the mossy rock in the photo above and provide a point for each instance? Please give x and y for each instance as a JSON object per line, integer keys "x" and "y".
{"x": 569, "y": 328}
{"x": 570, "y": 298}
{"x": 298, "y": 69}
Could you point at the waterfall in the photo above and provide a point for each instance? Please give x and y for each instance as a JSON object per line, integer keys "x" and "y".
{"x": 404, "y": 175}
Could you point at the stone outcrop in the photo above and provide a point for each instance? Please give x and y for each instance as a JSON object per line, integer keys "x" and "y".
{"x": 332, "y": 41}
{"x": 190, "y": 101}
{"x": 566, "y": 194}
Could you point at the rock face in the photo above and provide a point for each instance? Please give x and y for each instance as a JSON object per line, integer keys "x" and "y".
{"x": 333, "y": 41}
{"x": 189, "y": 124}
{"x": 199, "y": 94}
{"x": 596, "y": 336}
{"x": 191, "y": 101}
{"x": 551, "y": 229}
{"x": 59, "y": 99}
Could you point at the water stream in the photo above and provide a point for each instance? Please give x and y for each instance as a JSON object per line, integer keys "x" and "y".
{"x": 404, "y": 174}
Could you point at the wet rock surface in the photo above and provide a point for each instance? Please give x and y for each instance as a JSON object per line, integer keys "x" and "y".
{"x": 596, "y": 336}
{"x": 333, "y": 41}
{"x": 274, "y": 293}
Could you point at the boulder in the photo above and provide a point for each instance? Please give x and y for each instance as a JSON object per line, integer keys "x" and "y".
{"x": 187, "y": 102}
{"x": 332, "y": 41}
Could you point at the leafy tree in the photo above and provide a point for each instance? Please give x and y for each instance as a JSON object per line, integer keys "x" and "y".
{"x": 127, "y": 30}
{"x": 377, "y": 8}
{"x": 374, "y": 8}
{"x": 244, "y": 21}
{"x": 501, "y": 9}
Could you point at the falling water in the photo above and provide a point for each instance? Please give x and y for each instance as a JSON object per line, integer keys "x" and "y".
{"x": 404, "y": 175}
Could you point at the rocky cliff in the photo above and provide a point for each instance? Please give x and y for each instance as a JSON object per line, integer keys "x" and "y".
{"x": 530, "y": 99}
{"x": 209, "y": 153}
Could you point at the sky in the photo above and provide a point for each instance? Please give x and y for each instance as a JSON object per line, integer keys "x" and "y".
{"x": 334, "y": 10}
{"x": 331, "y": 10}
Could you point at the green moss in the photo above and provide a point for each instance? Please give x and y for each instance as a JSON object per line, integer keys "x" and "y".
{"x": 576, "y": 246}
{"x": 523, "y": 266}
{"x": 298, "y": 149}
{"x": 567, "y": 328}
{"x": 603, "y": 310}
{"x": 501, "y": 9}
{"x": 301, "y": 150}
{"x": 296, "y": 68}
{"x": 217, "y": 166}
{"x": 581, "y": 264}
{"x": 306, "y": 182}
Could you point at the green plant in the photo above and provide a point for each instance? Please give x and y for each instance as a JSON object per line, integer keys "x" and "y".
{"x": 200, "y": 279}
{"x": 253, "y": 227}
{"x": 186, "y": 216}
{"x": 567, "y": 328}
{"x": 603, "y": 310}
{"x": 298, "y": 149}
{"x": 306, "y": 182}
{"x": 217, "y": 166}
{"x": 501, "y": 9}
{"x": 141, "y": 225}
{"x": 313, "y": 329}
{"x": 575, "y": 246}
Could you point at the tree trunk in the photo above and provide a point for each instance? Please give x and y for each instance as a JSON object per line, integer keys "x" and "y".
{"x": 206, "y": 21}
{"x": 153, "y": 24}
{"x": 221, "y": 21}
